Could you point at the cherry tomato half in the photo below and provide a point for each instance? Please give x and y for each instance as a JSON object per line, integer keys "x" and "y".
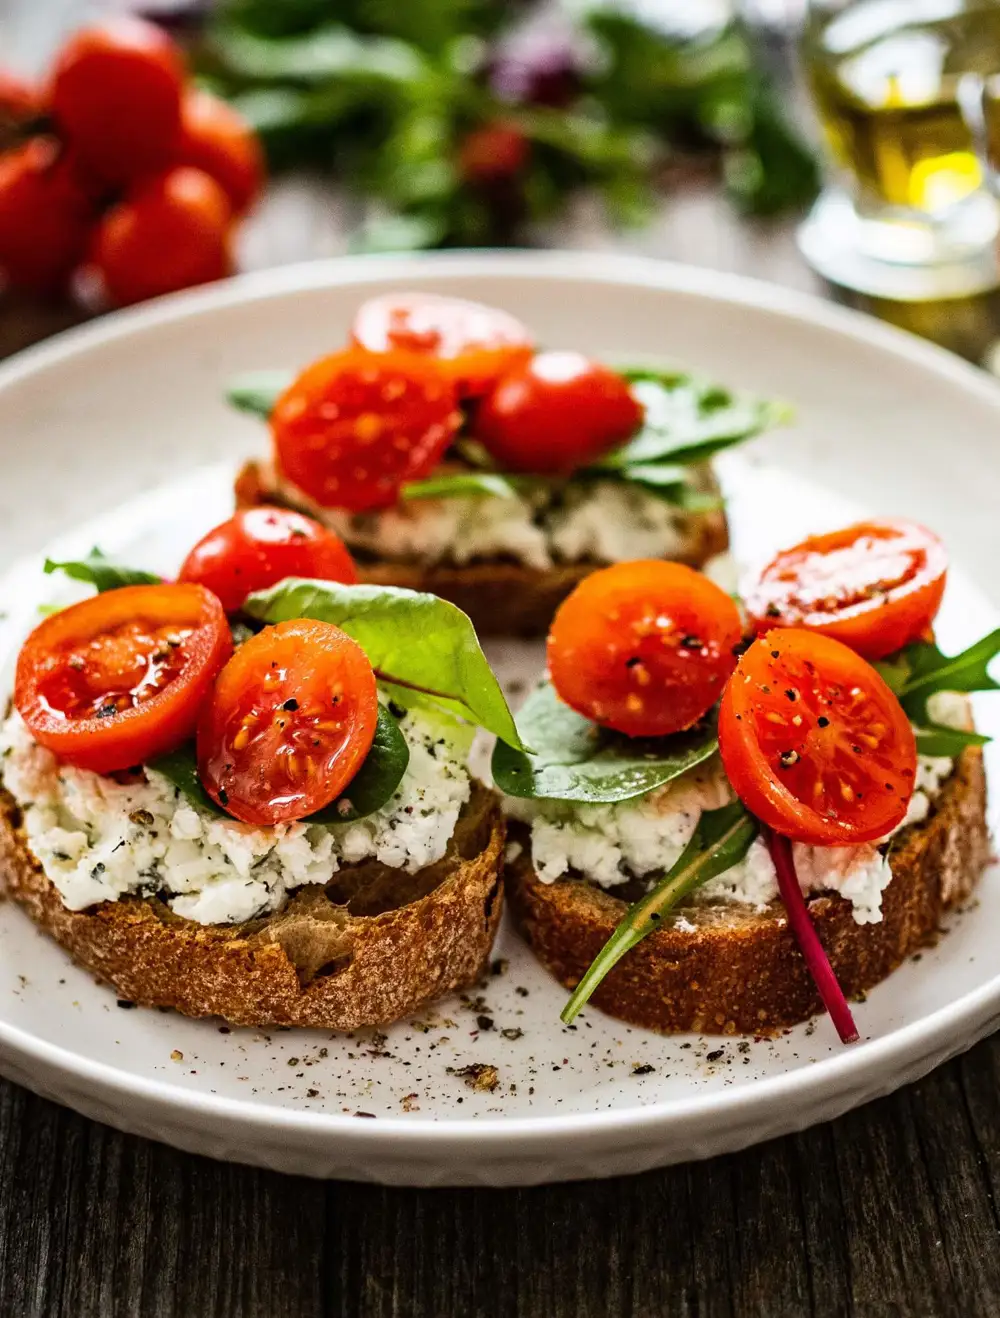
{"x": 170, "y": 232}
{"x": 116, "y": 95}
{"x": 643, "y": 647}
{"x": 289, "y": 723}
{"x": 473, "y": 343}
{"x": 118, "y": 679}
{"x": 44, "y": 216}
{"x": 356, "y": 426}
{"x": 814, "y": 742}
{"x": 260, "y": 547}
{"x": 557, "y": 413}
{"x": 876, "y": 586}
{"x": 216, "y": 139}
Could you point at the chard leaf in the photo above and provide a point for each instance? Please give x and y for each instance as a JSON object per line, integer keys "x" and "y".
{"x": 573, "y": 759}
{"x": 102, "y": 572}
{"x": 686, "y": 420}
{"x": 370, "y": 788}
{"x": 257, "y": 392}
{"x": 920, "y": 670}
{"x": 461, "y": 484}
{"x": 411, "y": 638}
{"x": 721, "y": 839}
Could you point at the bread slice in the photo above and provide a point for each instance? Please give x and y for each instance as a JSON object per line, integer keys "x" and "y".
{"x": 373, "y": 945}
{"x": 502, "y": 597}
{"x": 740, "y": 971}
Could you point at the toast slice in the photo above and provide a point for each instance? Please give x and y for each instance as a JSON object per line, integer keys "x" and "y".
{"x": 739, "y": 971}
{"x": 502, "y": 597}
{"x": 372, "y": 945}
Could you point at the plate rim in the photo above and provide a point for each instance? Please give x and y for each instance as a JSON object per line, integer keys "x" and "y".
{"x": 861, "y": 1065}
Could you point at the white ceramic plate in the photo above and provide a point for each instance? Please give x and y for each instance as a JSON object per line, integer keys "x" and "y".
{"x": 108, "y": 413}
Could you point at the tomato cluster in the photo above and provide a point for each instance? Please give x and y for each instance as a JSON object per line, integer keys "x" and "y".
{"x": 282, "y": 726}
{"x": 812, "y": 739}
{"x": 358, "y": 425}
{"x": 122, "y": 171}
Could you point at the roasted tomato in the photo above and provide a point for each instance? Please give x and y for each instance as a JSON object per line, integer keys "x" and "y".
{"x": 474, "y": 344}
{"x": 814, "y": 742}
{"x": 289, "y": 723}
{"x": 355, "y": 427}
{"x": 120, "y": 678}
{"x": 876, "y": 586}
{"x": 558, "y": 412}
{"x": 260, "y": 547}
{"x": 643, "y": 647}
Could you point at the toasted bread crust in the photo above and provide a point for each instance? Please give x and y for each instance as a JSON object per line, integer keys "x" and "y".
{"x": 739, "y": 971}
{"x": 502, "y": 598}
{"x": 313, "y": 963}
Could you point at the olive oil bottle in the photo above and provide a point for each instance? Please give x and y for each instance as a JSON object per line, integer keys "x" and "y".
{"x": 885, "y": 75}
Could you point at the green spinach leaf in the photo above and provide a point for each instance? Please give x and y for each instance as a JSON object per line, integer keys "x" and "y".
{"x": 573, "y": 759}
{"x": 411, "y": 638}
{"x": 102, "y": 572}
{"x": 460, "y": 484}
{"x": 920, "y": 670}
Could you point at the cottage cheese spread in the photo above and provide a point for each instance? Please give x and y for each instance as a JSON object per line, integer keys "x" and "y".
{"x": 602, "y": 522}
{"x": 608, "y": 844}
{"x": 98, "y": 839}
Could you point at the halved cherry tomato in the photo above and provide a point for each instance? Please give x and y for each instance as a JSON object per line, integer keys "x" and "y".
{"x": 116, "y": 95}
{"x": 218, "y": 140}
{"x": 356, "y": 426}
{"x": 876, "y": 586}
{"x": 557, "y": 413}
{"x": 260, "y": 547}
{"x": 289, "y": 723}
{"x": 814, "y": 742}
{"x": 120, "y": 678}
{"x": 473, "y": 343}
{"x": 643, "y": 647}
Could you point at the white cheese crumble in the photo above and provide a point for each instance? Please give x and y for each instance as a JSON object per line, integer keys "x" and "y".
{"x": 609, "y": 844}
{"x": 98, "y": 839}
{"x": 600, "y": 522}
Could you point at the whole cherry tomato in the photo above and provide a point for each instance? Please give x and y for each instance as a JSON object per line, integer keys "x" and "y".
{"x": 170, "y": 232}
{"x": 474, "y": 344}
{"x": 876, "y": 586}
{"x": 495, "y": 153}
{"x": 643, "y": 647}
{"x": 289, "y": 723}
{"x": 216, "y": 139}
{"x": 260, "y": 547}
{"x": 120, "y": 678}
{"x": 44, "y": 217}
{"x": 356, "y": 426}
{"x": 558, "y": 412}
{"x": 814, "y": 742}
{"x": 116, "y": 95}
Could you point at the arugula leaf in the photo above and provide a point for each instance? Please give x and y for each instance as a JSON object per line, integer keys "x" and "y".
{"x": 100, "y": 571}
{"x": 721, "y": 839}
{"x": 370, "y": 788}
{"x": 573, "y": 759}
{"x": 257, "y": 392}
{"x": 411, "y": 638}
{"x": 920, "y": 670}
{"x": 937, "y": 740}
{"x": 461, "y": 484}
{"x": 686, "y": 420}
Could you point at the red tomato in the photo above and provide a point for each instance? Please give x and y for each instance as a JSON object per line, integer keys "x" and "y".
{"x": 44, "y": 217}
{"x": 557, "y": 413}
{"x": 260, "y": 547}
{"x": 289, "y": 724}
{"x": 116, "y": 95}
{"x": 643, "y": 647}
{"x": 356, "y": 426}
{"x": 216, "y": 139}
{"x": 876, "y": 586}
{"x": 118, "y": 679}
{"x": 495, "y": 153}
{"x": 814, "y": 742}
{"x": 474, "y": 344}
{"x": 172, "y": 232}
